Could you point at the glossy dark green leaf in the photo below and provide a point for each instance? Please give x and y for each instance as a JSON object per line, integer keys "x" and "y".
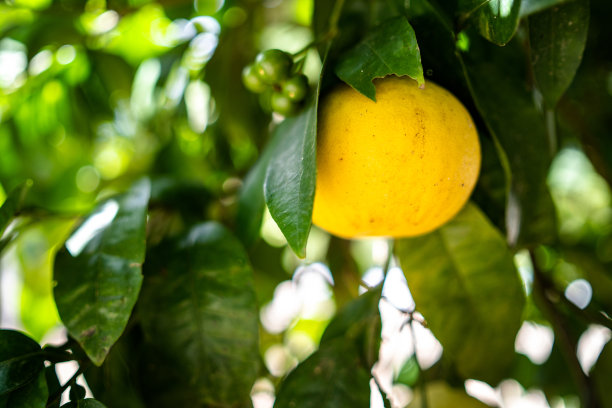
{"x": 331, "y": 377}
{"x": 496, "y": 78}
{"x": 53, "y": 385}
{"x": 390, "y": 49}
{"x": 463, "y": 280}
{"x": 558, "y": 36}
{"x": 496, "y": 20}
{"x": 98, "y": 284}
{"x": 34, "y": 394}
{"x": 587, "y": 106}
{"x": 290, "y": 178}
{"x": 491, "y": 191}
{"x": 251, "y": 200}
{"x": 199, "y": 313}
{"x": 358, "y": 322}
{"x": 12, "y": 204}
{"x": 21, "y": 360}
{"x": 289, "y": 184}
{"x": 529, "y": 7}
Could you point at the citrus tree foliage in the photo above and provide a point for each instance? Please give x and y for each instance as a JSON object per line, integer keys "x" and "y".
{"x": 138, "y": 177}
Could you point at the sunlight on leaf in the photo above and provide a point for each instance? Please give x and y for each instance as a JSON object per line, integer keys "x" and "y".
{"x": 496, "y": 20}
{"x": 95, "y": 303}
{"x": 391, "y": 49}
{"x": 463, "y": 280}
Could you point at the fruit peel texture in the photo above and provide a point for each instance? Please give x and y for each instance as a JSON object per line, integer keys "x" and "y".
{"x": 398, "y": 167}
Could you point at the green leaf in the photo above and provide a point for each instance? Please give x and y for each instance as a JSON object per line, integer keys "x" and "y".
{"x": 13, "y": 204}
{"x": 115, "y": 383}
{"x": 199, "y": 313}
{"x": 53, "y": 384}
{"x": 496, "y": 20}
{"x": 551, "y": 376}
{"x": 601, "y": 374}
{"x": 289, "y": 185}
{"x": 390, "y": 49}
{"x": 322, "y": 10}
{"x": 463, "y": 280}
{"x": 441, "y": 395}
{"x": 558, "y": 37}
{"x": 21, "y": 361}
{"x": 409, "y": 373}
{"x": 32, "y": 395}
{"x": 358, "y": 322}
{"x": 98, "y": 284}
{"x": 251, "y": 200}
{"x": 491, "y": 191}
{"x": 496, "y": 78}
{"x": 189, "y": 197}
{"x": 356, "y": 318}
{"x": 331, "y": 377}
{"x": 529, "y": 7}
{"x": 587, "y": 106}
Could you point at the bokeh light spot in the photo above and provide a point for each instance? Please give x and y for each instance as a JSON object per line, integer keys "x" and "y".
{"x": 87, "y": 179}
{"x": 65, "y": 54}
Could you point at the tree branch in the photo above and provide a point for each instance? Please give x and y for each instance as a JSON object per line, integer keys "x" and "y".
{"x": 567, "y": 343}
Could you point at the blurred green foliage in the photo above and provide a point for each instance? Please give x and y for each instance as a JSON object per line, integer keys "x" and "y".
{"x": 99, "y": 98}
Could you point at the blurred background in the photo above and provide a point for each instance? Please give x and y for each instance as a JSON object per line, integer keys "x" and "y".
{"x": 96, "y": 94}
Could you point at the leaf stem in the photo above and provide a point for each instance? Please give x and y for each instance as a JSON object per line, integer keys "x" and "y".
{"x": 311, "y": 44}
{"x": 58, "y": 394}
{"x": 551, "y": 130}
{"x": 331, "y": 32}
{"x": 389, "y": 261}
{"x": 567, "y": 342}
{"x": 335, "y": 17}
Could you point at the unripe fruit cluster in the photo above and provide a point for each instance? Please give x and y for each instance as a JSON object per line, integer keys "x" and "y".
{"x": 271, "y": 76}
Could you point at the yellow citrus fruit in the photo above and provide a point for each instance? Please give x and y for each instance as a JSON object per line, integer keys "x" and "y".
{"x": 400, "y": 166}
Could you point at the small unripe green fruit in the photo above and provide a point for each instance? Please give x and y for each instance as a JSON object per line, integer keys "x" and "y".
{"x": 283, "y": 105}
{"x": 273, "y": 66}
{"x": 296, "y": 87}
{"x": 251, "y": 80}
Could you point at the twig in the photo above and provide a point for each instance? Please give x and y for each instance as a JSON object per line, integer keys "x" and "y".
{"x": 387, "y": 265}
{"x": 551, "y": 130}
{"x": 58, "y": 394}
{"x": 567, "y": 343}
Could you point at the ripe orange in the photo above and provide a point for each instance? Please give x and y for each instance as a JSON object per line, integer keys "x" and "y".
{"x": 401, "y": 166}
